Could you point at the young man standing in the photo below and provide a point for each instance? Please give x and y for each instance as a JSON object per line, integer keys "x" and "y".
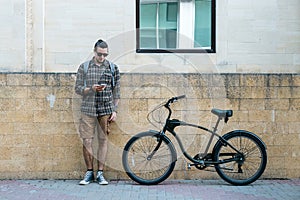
{"x": 99, "y": 85}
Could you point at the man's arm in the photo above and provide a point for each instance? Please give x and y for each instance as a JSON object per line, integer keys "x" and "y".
{"x": 79, "y": 84}
{"x": 116, "y": 88}
{"x": 80, "y": 88}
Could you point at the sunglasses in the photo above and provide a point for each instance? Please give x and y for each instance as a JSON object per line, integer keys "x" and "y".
{"x": 102, "y": 54}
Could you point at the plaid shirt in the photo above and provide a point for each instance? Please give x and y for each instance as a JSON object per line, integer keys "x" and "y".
{"x": 100, "y": 103}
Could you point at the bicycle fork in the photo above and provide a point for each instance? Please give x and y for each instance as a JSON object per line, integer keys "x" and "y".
{"x": 159, "y": 139}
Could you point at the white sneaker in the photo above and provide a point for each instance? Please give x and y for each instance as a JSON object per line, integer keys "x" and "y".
{"x": 89, "y": 177}
{"x": 100, "y": 178}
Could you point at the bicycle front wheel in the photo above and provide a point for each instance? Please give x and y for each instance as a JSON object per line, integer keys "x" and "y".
{"x": 143, "y": 168}
{"x": 251, "y": 162}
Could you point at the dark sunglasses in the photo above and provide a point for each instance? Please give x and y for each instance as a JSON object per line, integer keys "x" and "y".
{"x": 102, "y": 54}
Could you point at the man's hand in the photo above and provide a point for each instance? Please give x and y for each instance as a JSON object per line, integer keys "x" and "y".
{"x": 112, "y": 117}
{"x": 98, "y": 88}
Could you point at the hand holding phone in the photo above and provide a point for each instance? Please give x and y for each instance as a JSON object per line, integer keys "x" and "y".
{"x": 99, "y": 87}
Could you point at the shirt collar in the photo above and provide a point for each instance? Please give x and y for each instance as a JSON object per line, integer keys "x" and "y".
{"x": 105, "y": 63}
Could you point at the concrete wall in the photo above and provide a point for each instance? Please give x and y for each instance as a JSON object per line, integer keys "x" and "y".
{"x": 56, "y": 36}
{"x": 39, "y": 138}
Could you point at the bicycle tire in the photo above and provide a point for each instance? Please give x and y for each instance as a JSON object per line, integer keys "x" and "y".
{"x": 148, "y": 171}
{"x": 254, "y": 158}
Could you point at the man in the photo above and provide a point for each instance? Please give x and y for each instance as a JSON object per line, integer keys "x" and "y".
{"x": 99, "y": 86}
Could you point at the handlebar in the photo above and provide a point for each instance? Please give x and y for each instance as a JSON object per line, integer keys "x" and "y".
{"x": 180, "y": 97}
{"x": 173, "y": 99}
{"x": 165, "y": 104}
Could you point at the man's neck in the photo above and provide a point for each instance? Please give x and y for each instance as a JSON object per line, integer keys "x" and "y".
{"x": 98, "y": 63}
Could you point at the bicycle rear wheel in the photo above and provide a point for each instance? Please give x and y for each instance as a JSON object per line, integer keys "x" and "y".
{"x": 252, "y": 160}
{"x": 143, "y": 169}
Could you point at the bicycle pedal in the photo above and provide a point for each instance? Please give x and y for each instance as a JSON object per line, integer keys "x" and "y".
{"x": 189, "y": 167}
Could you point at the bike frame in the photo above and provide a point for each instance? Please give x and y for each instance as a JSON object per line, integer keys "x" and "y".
{"x": 170, "y": 125}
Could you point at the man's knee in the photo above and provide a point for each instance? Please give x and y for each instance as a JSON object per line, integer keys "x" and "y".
{"x": 103, "y": 141}
{"x": 87, "y": 142}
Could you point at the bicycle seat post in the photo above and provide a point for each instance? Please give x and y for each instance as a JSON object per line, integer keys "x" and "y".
{"x": 217, "y": 124}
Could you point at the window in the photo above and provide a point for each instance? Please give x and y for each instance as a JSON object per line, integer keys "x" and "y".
{"x": 175, "y": 26}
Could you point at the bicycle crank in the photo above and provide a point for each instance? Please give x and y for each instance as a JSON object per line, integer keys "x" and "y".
{"x": 201, "y": 161}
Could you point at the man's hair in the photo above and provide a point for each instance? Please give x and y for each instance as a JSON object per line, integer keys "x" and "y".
{"x": 100, "y": 43}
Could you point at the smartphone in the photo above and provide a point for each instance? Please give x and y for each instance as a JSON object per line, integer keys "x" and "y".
{"x": 103, "y": 84}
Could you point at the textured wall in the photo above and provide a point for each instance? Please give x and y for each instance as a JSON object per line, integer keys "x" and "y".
{"x": 39, "y": 116}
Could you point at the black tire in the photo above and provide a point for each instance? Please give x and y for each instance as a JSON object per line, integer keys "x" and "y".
{"x": 253, "y": 159}
{"x": 145, "y": 171}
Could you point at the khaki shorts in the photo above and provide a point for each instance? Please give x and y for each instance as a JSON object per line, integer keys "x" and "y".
{"x": 88, "y": 124}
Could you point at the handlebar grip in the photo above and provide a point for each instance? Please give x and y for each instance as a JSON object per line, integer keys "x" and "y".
{"x": 173, "y": 99}
{"x": 180, "y": 97}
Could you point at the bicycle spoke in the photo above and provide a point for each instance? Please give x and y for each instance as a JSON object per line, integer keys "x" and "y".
{"x": 145, "y": 169}
{"x": 251, "y": 159}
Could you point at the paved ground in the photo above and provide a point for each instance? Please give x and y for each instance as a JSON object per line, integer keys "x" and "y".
{"x": 170, "y": 189}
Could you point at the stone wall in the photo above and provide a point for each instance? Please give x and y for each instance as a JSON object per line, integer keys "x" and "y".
{"x": 39, "y": 115}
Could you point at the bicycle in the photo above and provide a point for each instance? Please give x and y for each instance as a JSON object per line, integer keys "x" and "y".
{"x": 239, "y": 157}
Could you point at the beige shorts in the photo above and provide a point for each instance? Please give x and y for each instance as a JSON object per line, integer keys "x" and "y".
{"x": 88, "y": 125}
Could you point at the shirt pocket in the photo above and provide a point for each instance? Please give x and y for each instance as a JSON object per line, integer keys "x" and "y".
{"x": 106, "y": 78}
{"x": 106, "y": 98}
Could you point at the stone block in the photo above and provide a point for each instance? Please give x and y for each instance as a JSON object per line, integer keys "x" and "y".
{"x": 295, "y": 79}
{"x": 260, "y": 115}
{"x": 252, "y": 104}
{"x": 23, "y": 104}
{"x": 7, "y": 128}
{"x": 287, "y": 116}
{"x": 3, "y": 79}
{"x": 19, "y": 79}
{"x": 258, "y": 92}
{"x": 277, "y": 104}
{"x": 6, "y": 153}
{"x": 240, "y": 116}
{"x": 39, "y": 92}
{"x": 285, "y": 92}
{"x": 252, "y": 80}
{"x": 294, "y": 127}
{"x": 44, "y": 116}
{"x": 271, "y": 92}
{"x": 245, "y": 92}
{"x": 13, "y": 92}
{"x": 295, "y": 92}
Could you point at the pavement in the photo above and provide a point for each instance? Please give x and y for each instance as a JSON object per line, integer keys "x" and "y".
{"x": 169, "y": 190}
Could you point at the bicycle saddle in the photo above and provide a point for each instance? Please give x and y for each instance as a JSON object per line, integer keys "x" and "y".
{"x": 222, "y": 113}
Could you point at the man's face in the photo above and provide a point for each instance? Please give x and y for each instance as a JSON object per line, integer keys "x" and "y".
{"x": 100, "y": 54}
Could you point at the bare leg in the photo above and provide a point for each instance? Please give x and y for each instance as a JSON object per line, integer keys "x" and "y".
{"x": 88, "y": 153}
{"x": 103, "y": 141}
{"x": 102, "y": 152}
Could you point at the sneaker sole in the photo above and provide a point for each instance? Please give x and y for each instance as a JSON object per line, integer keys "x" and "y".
{"x": 86, "y": 183}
